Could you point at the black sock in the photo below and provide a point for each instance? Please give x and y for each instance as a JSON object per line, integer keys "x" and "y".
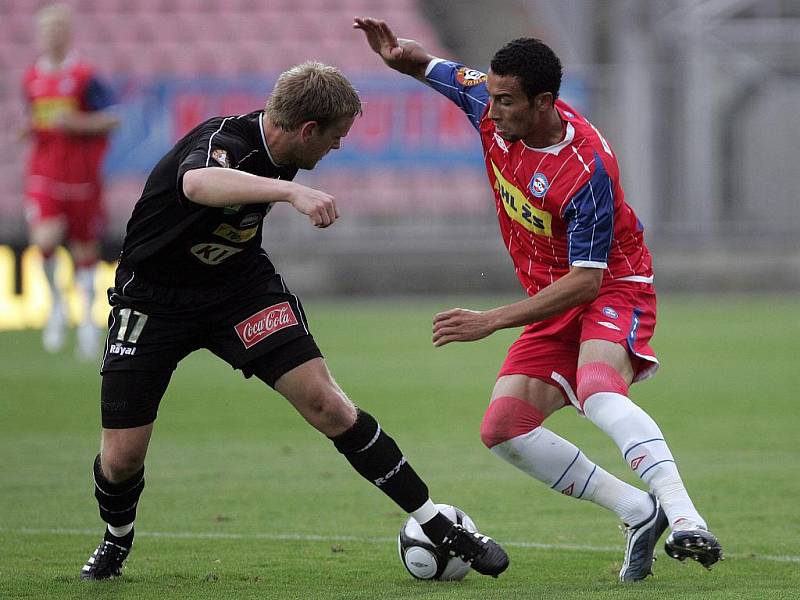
{"x": 117, "y": 501}
{"x": 436, "y": 529}
{"x": 377, "y": 458}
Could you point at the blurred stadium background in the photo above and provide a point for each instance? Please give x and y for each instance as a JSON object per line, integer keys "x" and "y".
{"x": 698, "y": 97}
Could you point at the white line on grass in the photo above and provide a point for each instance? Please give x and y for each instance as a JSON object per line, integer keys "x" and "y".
{"x": 303, "y": 537}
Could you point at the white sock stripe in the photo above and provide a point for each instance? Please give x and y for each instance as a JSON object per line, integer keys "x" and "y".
{"x": 585, "y": 485}
{"x": 372, "y": 441}
{"x": 117, "y": 512}
{"x": 105, "y": 493}
{"x": 566, "y": 470}
{"x": 666, "y": 460}
{"x": 625, "y": 456}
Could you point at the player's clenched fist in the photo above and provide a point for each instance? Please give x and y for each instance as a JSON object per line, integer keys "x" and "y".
{"x": 319, "y": 206}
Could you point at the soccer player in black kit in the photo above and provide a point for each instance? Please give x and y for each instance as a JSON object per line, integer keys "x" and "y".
{"x": 192, "y": 274}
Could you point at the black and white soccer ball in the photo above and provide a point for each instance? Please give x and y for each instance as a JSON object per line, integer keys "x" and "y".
{"x": 422, "y": 558}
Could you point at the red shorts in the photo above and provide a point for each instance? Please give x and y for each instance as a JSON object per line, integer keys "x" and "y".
{"x": 78, "y": 204}
{"x": 624, "y": 313}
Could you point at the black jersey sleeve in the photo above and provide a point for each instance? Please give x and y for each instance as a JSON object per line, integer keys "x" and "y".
{"x": 219, "y": 143}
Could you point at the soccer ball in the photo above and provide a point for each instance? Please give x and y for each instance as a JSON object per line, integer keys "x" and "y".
{"x": 422, "y": 558}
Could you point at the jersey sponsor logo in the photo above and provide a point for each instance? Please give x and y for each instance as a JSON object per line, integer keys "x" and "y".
{"x": 251, "y": 219}
{"x": 469, "y": 77}
{"x": 213, "y": 254}
{"x": 637, "y": 461}
{"x": 264, "y": 323}
{"x": 569, "y": 115}
{"x": 121, "y": 350}
{"x": 234, "y": 235}
{"x": 381, "y": 480}
{"x": 500, "y": 142}
{"x": 221, "y": 157}
{"x": 232, "y": 209}
{"x": 610, "y": 312}
{"x": 519, "y": 209}
{"x": 45, "y": 111}
{"x": 609, "y": 325}
{"x": 567, "y": 491}
{"x": 538, "y": 185}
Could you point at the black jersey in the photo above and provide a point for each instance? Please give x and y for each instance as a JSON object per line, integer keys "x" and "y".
{"x": 176, "y": 243}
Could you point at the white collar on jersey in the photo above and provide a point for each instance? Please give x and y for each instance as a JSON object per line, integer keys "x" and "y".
{"x": 48, "y": 66}
{"x": 556, "y": 148}
{"x": 264, "y": 140}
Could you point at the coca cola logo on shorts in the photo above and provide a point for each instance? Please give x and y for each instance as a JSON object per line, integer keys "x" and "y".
{"x": 264, "y": 323}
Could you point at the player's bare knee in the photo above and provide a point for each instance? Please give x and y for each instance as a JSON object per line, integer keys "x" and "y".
{"x": 508, "y": 417}
{"x": 329, "y": 410}
{"x": 120, "y": 465}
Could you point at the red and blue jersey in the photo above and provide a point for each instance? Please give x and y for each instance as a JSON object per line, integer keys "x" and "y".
{"x": 61, "y": 162}
{"x": 559, "y": 206}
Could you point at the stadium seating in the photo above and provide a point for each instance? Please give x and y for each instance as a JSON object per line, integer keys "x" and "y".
{"x": 151, "y": 39}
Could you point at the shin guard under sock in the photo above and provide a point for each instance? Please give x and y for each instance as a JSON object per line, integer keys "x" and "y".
{"x": 378, "y": 459}
{"x": 117, "y": 501}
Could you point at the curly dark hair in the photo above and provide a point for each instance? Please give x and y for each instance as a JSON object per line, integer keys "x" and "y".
{"x": 533, "y": 62}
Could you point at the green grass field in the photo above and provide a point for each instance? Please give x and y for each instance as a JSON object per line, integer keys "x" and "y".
{"x": 244, "y": 500}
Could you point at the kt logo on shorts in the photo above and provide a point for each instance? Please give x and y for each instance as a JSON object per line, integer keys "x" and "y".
{"x": 264, "y": 323}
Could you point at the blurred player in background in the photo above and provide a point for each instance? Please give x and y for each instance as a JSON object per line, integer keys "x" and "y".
{"x": 579, "y": 252}
{"x": 192, "y": 274}
{"x": 69, "y": 123}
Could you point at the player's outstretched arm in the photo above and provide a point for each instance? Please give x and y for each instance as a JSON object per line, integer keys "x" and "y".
{"x": 98, "y": 122}
{"x": 577, "y": 287}
{"x": 405, "y": 56}
{"x": 218, "y": 186}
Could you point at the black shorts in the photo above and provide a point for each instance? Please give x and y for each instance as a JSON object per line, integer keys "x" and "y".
{"x": 262, "y": 331}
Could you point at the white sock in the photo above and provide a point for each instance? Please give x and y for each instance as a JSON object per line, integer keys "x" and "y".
{"x": 120, "y": 531}
{"x": 50, "y": 265}
{"x": 643, "y": 446}
{"x": 563, "y": 467}
{"x": 425, "y": 512}
{"x": 84, "y": 277}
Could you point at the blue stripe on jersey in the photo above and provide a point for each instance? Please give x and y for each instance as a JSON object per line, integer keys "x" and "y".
{"x": 590, "y": 218}
{"x": 472, "y": 99}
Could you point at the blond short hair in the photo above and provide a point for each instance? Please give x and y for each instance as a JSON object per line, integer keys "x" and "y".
{"x": 57, "y": 12}
{"x": 312, "y": 91}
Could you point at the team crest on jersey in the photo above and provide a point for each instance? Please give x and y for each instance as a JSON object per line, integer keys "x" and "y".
{"x": 221, "y": 157}
{"x": 610, "y": 312}
{"x": 500, "y": 142}
{"x": 469, "y": 77}
{"x": 538, "y": 185}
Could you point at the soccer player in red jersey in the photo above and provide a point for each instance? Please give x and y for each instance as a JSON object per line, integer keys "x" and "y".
{"x": 69, "y": 122}
{"x": 578, "y": 250}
